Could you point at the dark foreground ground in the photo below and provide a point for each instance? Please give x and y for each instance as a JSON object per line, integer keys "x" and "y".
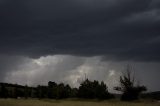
{"x": 74, "y": 102}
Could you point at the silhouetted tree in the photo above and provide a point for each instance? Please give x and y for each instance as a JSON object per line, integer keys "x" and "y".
{"x": 42, "y": 91}
{"x": 63, "y": 91}
{"x": 91, "y": 90}
{"x": 58, "y": 91}
{"x": 3, "y": 91}
{"x": 33, "y": 92}
{"x": 26, "y": 92}
{"x": 15, "y": 92}
{"x": 68, "y": 91}
{"x": 88, "y": 89}
{"x": 74, "y": 92}
{"x": 130, "y": 90}
{"x": 52, "y": 89}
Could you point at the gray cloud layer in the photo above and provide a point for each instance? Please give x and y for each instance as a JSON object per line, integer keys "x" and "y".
{"x": 72, "y": 70}
{"x": 123, "y": 29}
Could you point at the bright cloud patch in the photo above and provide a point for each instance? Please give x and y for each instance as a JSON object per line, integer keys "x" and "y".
{"x": 75, "y": 69}
{"x": 62, "y": 68}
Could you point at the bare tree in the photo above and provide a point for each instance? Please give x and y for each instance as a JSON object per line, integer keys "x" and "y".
{"x": 130, "y": 90}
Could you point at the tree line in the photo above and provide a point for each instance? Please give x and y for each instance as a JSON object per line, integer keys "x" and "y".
{"x": 87, "y": 89}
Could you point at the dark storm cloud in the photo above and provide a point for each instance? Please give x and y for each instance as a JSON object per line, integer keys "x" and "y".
{"x": 125, "y": 30}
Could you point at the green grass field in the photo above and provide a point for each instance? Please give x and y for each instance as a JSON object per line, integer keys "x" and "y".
{"x": 32, "y": 102}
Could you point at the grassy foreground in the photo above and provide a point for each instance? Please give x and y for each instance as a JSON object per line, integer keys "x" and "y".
{"x": 31, "y": 102}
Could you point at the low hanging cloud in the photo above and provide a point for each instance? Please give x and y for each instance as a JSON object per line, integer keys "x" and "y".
{"x": 61, "y": 68}
{"x": 73, "y": 70}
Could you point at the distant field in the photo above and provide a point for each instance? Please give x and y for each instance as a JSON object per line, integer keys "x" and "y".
{"x": 31, "y": 102}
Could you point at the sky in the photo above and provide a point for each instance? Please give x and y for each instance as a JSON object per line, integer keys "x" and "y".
{"x": 68, "y": 40}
